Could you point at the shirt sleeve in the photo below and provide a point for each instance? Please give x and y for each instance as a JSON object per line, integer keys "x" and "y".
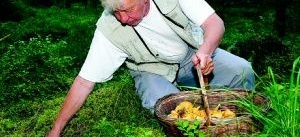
{"x": 103, "y": 59}
{"x": 196, "y": 10}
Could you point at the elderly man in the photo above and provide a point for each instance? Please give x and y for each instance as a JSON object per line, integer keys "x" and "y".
{"x": 160, "y": 41}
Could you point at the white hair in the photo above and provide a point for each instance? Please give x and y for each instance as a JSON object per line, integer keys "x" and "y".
{"x": 111, "y": 4}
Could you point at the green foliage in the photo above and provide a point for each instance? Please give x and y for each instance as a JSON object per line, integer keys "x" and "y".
{"x": 264, "y": 52}
{"x": 60, "y": 24}
{"x": 190, "y": 129}
{"x": 47, "y": 43}
{"x": 62, "y": 3}
{"x": 23, "y": 75}
{"x": 112, "y": 129}
{"x": 254, "y": 39}
{"x": 283, "y": 118}
{"x": 241, "y": 27}
{"x": 29, "y": 118}
{"x": 113, "y": 109}
{"x": 15, "y": 10}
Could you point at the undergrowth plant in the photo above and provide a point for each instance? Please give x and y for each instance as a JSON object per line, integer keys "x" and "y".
{"x": 190, "y": 129}
{"x": 283, "y": 117}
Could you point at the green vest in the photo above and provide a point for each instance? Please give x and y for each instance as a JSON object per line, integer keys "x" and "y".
{"x": 139, "y": 57}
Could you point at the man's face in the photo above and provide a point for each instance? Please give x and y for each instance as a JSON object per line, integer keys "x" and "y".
{"x": 131, "y": 12}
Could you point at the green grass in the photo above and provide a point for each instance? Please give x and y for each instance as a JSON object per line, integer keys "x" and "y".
{"x": 283, "y": 117}
{"x": 113, "y": 109}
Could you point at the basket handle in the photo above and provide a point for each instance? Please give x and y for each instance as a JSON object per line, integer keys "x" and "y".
{"x": 203, "y": 83}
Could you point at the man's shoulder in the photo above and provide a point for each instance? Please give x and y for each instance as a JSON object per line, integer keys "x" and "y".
{"x": 107, "y": 20}
{"x": 166, "y": 6}
{"x": 106, "y": 16}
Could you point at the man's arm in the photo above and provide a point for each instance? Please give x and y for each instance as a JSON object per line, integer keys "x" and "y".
{"x": 214, "y": 29}
{"x": 77, "y": 95}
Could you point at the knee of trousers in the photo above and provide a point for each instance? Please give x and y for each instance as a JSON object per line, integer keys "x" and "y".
{"x": 245, "y": 77}
{"x": 150, "y": 95}
{"x": 151, "y": 87}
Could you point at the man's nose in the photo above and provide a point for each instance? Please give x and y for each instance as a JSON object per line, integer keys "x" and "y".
{"x": 123, "y": 17}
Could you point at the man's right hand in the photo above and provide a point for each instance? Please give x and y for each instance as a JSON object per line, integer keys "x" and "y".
{"x": 205, "y": 61}
{"x": 77, "y": 95}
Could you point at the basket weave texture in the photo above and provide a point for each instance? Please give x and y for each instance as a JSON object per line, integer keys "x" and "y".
{"x": 240, "y": 125}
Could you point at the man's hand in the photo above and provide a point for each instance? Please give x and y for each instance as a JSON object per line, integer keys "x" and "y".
{"x": 206, "y": 62}
{"x": 77, "y": 95}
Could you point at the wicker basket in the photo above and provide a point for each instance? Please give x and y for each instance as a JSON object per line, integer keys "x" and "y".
{"x": 242, "y": 124}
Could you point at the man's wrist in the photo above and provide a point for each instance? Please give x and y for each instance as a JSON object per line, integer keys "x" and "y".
{"x": 206, "y": 54}
{"x": 57, "y": 128}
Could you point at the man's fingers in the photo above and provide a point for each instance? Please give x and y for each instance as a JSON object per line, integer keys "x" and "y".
{"x": 195, "y": 60}
{"x": 206, "y": 63}
{"x": 208, "y": 71}
{"x": 203, "y": 64}
{"x": 208, "y": 68}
